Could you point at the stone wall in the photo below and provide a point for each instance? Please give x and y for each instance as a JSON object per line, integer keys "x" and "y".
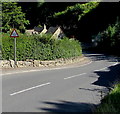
{"x": 38, "y": 63}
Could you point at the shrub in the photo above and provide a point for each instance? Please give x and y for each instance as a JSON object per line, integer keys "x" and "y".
{"x": 111, "y": 102}
{"x": 39, "y": 47}
{"x": 110, "y": 38}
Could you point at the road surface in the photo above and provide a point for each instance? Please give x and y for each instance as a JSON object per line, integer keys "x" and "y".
{"x": 72, "y": 89}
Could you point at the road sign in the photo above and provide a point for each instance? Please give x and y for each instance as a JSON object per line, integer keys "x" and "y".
{"x": 14, "y": 33}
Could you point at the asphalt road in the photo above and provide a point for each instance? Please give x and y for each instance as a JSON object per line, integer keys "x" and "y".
{"x": 72, "y": 89}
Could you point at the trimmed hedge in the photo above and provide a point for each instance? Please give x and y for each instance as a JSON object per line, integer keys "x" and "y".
{"x": 38, "y": 47}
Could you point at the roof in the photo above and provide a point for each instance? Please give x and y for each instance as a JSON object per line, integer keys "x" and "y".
{"x": 61, "y": 35}
{"x": 38, "y": 29}
{"x": 51, "y": 30}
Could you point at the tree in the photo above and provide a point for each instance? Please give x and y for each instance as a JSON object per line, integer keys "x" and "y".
{"x": 70, "y": 18}
{"x": 39, "y": 12}
{"x": 12, "y": 16}
{"x": 109, "y": 39}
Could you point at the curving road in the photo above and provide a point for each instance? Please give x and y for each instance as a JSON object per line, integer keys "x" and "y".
{"x": 72, "y": 89}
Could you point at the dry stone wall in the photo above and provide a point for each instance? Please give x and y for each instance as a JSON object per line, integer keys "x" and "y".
{"x": 38, "y": 63}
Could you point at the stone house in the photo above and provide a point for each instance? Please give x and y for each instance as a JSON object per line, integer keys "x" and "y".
{"x": 41, "y": 30}
{"x": 55, "y": 31}
{"x": 30, "y": 31}
{"x": 37, "y": 30}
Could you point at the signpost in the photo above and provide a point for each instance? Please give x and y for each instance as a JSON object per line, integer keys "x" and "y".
{"x": 14, "y": 34}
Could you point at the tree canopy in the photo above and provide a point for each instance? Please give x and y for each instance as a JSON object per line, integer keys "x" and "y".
{"x": 81, "y": 19}
{"x": 13, "y": 16}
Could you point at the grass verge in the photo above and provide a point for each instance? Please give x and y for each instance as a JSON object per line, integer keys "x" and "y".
{"x": 110, "y": 103}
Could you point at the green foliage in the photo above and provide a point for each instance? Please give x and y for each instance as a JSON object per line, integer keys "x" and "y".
{"x": 13, "y": 15}
{"x": 109, "y": 38}
{"x": 67, "y": 48}
{"x": 111, "y": 102}
{"x": 78, "y": 9}
{"x": 39, "y": 47}
{"x": 69, "y": 19}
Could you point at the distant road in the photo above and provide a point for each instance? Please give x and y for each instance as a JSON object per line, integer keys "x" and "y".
{"x": 75, "y": 89}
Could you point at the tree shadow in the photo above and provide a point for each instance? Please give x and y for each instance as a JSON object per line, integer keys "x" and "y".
{"x": 68, "y": 107}
{"x": 87, "y": 89}
{"x": 94, "y": 56}
{"x": 108, "y": 78}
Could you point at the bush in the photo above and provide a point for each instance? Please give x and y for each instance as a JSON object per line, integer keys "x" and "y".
{"x": 111, "y": 102}
{"x": 109, "y": 39}
{"x": 38, "y": 47}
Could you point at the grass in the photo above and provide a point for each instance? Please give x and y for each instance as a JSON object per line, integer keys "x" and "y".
{"x": 111, "y": 102}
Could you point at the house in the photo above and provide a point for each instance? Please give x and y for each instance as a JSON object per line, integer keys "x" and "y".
{"x": 37, "y": 30}
{"x": 41, "y": 30}
{"x": 30, "y": 32}
{"x": 56, "y": 32}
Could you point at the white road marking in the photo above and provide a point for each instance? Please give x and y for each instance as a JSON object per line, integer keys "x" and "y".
{"x": 101, "y": 69}
{"x": 74, "y": 76}
{"x": 115, "y": 64}
{"x": 15, "y": 93}
{"x": 106, "y": 68}
{"x": 70, "y": 66}
{"x": 86, "y": 64}
{"x": 96, "y": 54}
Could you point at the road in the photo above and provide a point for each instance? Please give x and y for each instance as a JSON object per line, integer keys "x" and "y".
{"x": 72, "y": 89}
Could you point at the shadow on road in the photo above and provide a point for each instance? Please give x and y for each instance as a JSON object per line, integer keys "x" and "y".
{"x": 100, "y": 56}
{"x": 108, "y": 78}
{"x": 66, "y": 106}
{"x": 98, "y": 90}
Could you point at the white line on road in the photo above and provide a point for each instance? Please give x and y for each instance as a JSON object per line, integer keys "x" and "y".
{"x": 96, "y": 55}
{"x": 74, "y": 76}
{"x": 107, "y": 68}
{"x": 115, "y": 64}
{"x": 101, "y": 69}
{"x": 15, "y": 93}
{"x": 86, "y": 64}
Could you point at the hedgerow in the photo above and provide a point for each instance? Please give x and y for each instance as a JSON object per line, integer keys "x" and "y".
{"x": 38, "y": 47}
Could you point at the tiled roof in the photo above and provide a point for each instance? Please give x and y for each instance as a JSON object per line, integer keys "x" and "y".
{"x": 38, "y": 29}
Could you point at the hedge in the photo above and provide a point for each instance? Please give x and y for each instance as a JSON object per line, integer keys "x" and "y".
{"x": 38, "y": 47}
